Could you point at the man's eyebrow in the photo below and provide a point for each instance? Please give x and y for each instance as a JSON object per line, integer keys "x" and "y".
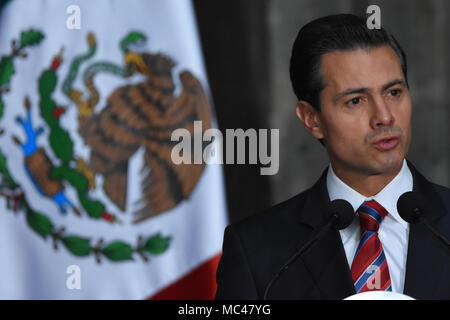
{"x": 363, "y": 90}
{"x": 349, "y": 92}
{"x": 393, "y": 83}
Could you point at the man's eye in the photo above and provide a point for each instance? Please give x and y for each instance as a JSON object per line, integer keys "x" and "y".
{"x": 394, "y": 92}
{"x": 354, "y": 101}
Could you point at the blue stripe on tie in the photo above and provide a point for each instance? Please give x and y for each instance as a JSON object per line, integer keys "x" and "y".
{"x": 389, "y": 288}
{"x": 366, "y": 236}
{"x": 365, "y": 275}
{"x": 371, "y": 212}
{"x": 361, "y": 282}
{"x": 380, "y": 259}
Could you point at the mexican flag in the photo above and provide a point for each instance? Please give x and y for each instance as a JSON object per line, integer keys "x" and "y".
{"x": 91, "y": 204}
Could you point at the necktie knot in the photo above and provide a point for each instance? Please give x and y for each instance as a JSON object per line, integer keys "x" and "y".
{"x": 371, "y": 214}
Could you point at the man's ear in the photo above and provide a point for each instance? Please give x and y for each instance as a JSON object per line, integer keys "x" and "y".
{"x": 310, "y": 118}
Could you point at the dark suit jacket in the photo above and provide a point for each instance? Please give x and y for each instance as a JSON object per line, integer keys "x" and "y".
{"x": 255, "y": 248}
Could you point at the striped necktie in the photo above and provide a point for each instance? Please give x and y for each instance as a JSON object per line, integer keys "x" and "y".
{"x": 369, "y": 267}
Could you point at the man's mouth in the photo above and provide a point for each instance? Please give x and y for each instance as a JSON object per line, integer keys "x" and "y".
{"x": 386, "y": 143}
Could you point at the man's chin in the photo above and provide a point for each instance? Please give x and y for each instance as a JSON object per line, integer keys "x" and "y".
{"x": 391, "y": 164}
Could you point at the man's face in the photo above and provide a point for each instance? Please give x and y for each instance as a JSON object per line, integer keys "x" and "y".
{"x": 365, "y": 111}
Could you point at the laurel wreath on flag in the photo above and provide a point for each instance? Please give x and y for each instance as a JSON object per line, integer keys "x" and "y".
{"x": 62, "y": 147}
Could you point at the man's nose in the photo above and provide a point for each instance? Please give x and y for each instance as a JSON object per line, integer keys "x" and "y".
{"x": 381, "y": 113}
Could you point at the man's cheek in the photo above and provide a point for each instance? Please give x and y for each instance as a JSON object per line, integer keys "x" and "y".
{"x": 344, "y": 144}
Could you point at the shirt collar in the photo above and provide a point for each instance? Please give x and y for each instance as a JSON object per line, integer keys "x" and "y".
{"x": 387, "y": 197}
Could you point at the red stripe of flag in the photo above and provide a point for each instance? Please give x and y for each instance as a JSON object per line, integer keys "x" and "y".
{"x": 199, "y": 284}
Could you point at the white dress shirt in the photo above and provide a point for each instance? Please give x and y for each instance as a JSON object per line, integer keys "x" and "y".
{"x": 393, "y": 232}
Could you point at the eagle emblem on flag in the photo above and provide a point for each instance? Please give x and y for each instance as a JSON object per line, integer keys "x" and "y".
{"x": 135, "y": 116}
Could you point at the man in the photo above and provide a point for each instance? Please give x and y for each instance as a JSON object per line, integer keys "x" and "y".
{"x": 352, "y": 89}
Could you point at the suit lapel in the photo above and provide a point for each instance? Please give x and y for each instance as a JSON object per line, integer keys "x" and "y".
{"x": 326, "y": 261}
{"x": 424, "y": 266}
{"x": 328, "y": 266}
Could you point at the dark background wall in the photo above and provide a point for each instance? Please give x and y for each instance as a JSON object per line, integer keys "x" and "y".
{"x": 246, "y": 45}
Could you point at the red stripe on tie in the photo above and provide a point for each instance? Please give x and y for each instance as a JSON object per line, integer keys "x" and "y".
{"x": 366, "y": 256}
{"x": 385, "y": 279}
{"x": 388, "y": 283}
{"x": 370, "y": 223}
{"x": 377, "y": 207}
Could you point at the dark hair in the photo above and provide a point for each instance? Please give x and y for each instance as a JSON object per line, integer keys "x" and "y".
{"x": 327, "y": 34}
